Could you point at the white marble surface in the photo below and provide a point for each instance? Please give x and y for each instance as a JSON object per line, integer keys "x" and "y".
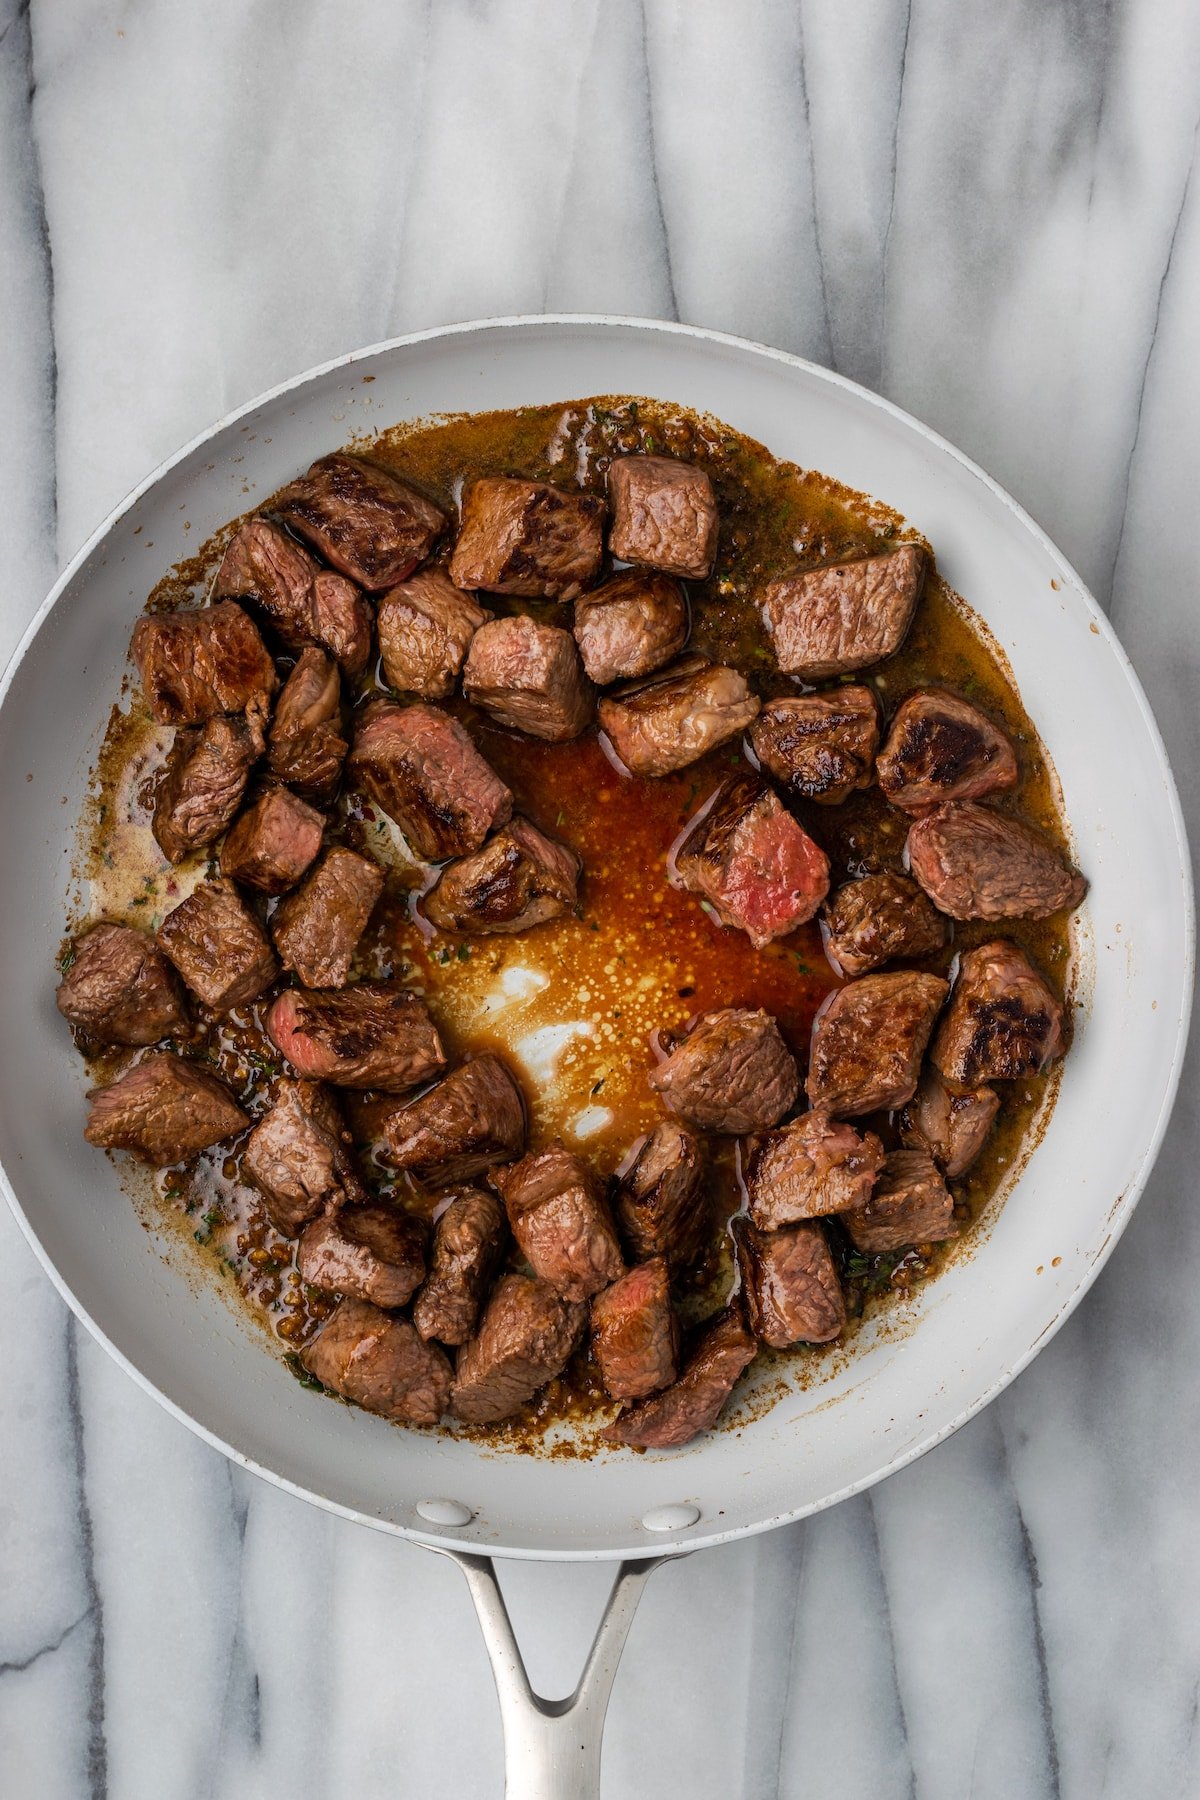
{"x": 991, "y": 213}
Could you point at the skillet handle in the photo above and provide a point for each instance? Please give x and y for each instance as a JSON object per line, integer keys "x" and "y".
{"x": 552, "y": 1747}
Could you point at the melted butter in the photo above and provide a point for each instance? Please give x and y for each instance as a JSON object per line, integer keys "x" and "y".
{"x": 573, "y": 1005}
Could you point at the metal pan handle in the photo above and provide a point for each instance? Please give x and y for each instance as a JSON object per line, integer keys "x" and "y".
{"x": 552, "y": 1747}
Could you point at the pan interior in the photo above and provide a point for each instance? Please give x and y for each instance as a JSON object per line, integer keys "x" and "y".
{"x": 916, "y": 1373}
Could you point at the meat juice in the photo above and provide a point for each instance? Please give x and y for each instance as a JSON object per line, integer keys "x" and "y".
{"x": 574, "y": 1005}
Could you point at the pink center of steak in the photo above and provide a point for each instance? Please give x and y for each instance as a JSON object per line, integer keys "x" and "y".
{"x": 776, "y": 879}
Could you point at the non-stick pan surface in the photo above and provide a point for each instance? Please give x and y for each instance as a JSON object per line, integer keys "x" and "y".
{"x": 927, "y": 1367}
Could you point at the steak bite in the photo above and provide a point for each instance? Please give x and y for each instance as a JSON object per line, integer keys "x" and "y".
{"x": 952, "y": 1127}
{"x": 380, "y": 1363}
{"x": 372, "y": 1035}
{"x": 635, "y": 1334}
{"x": 273, "y": 842}
{"x": 219, "y": 947}
{"x": 880, "y": 919}
{"x": 202, "y": 784}
{"x": 316, "y": 929}
{"x": 812, "y": 1167}
{"x": 692, "y": 1404}
{"x": 366, "y": 521}
{"x": 790, "y": 1283}
{"x": 528, "y": 539}
{"x": 199, "y": 663}
{"x": 819, "y": 746}
{"x": 163, "y": 1109}
{"x": 307, "y": 748}
{"x": 468, "y": 1242}
{"x": 910, "y": 1205}
{"x": 473, "y": 1119}
{"x": 561, "y": 1222}
{"x": 519, "y": 879}
{"x": 845, "y": 615}
{"x": 674, "y": 717}
{"x": 975, "y": 863}
{"x": 940, "y": 747}
{"x": 525, "y": 1339}
{"x": 372, "y": 1252}
{"x": 1003, "y": 1022}
{"x": 660, "y": 1202}
{"x": 529, "y": 676}
{"x": 747, "y": 855}
{"x": 298, "y": 1157}
{"x": 419, "y": 765}
{"x": 731, "y": 1072}
{"x": 305, "y": 603}
{"x": 120, "y": 989}
{"x": 664, "y": 514}
{"x": 630, "y": 625}
{"x": 868, "y": 1041}
{"x": 425, "y": 629}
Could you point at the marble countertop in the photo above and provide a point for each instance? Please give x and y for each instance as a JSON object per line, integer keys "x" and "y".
{"x": 989, "y": 213}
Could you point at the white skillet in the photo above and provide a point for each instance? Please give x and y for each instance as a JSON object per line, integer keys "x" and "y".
{"x": 910, "y": 1382}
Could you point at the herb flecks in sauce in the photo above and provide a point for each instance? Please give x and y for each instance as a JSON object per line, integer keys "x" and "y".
{"x": 572, "y": 1004}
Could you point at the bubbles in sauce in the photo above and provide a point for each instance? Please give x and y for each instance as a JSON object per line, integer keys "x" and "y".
{"x": 573, "y": 1005}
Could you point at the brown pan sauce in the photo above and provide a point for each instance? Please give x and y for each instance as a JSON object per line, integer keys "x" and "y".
{"x": 573, "y": 1003}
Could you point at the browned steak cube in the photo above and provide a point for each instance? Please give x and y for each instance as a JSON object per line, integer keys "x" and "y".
{"x": 812, "y": 1167}
{"x": 952, "y": 1127}
{"x": 692, "y": 1404}
{"x": 525, "y": 1339}
{"x": 846, "y": 615}
{"x": 163, "y": 1109}
{"x": 219, "y": 947}
{"x": 975, "y": 863}
{"x": 880, "y": 919}
{"x": 519, "y": 879}
{"x": 119, "y": 989}
{"x": 1003, "y": 1022}
{"x": 372, "y": 1035}
{"x": 561, "y": 1222}
{"x": 197, "y": 664}
{"x": 298, "y": 1157}
{"x": 316, "y": 929}
{"x": 468, "y": 1242}
{"x": 380, "y": 1363}
{"x": 527, "y": 538}
{"x": 660, "y": 1201}
{"x": 911, "y": 1205}
{"x": 752, "y": 861}
{"x": 940, "y": 747}
{"x": 819, "y": 746}
{"x": 373, "y": 1252}
{"x": 469, "y": 1122}
{"x": 203, "y": 781}
{"x": 425, "y": 629}
{"x": 362, "y": 518}
{"x": 419, "y": 765}
{"x": 731, "y": 1072}
{"x": 529, "y": 676}
{"x": 635, "y": 1334}
{"x": 307, "y": 748}
{"x": 305, "y": 603}
{"x": 676, "y": 716}
{"x": 630, "y": 625}
{"x": 790, "y": 1283}
{"x": 664, "y": 514}
{"x": 273, "y": 842}
{"x": 868, "y": 1041}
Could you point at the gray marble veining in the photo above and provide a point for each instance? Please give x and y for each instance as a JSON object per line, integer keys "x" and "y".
{"x": 992, "y": 214}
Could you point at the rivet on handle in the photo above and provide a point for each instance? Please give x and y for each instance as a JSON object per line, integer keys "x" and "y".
{"x": 671, "y": 1518}
{"x": 444, "y": 1512}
